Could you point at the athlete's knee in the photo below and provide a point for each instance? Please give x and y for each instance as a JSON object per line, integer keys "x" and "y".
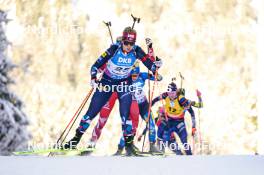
{"x": 86, "y": 120}
{"x": 128, "y": 127}
{"x": 166, "y": 136}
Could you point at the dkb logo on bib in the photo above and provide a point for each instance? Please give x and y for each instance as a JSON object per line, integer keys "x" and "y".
{"x": 124, "y": 60}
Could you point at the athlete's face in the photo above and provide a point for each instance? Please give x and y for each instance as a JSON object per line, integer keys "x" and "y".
{"x": 134, "y": 77}
{"x": 172, "y": 94}
{"x": 127, "y": 46}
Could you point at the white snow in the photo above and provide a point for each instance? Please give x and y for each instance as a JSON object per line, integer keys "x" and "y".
{"x": 178, "y": 165}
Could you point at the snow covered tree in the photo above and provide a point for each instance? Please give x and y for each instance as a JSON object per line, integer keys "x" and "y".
{"x": 13, "y": 121}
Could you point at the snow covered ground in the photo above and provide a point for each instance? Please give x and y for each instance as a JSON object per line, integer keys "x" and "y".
{"x": 181, "y": 165}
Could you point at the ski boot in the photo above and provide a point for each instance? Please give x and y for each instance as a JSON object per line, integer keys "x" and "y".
{"x": 177, "y": 149}
{"x": 161, "y": 147}
{"x": 131, "y": 149}
{"x": 91, "y": 145}
{"x": 119, "y": 151}
{"x": 72, "y": 144}
{"x": 177, "y": 152}
{"x": 90, "y": 148}
{"x": 154, "y": 150}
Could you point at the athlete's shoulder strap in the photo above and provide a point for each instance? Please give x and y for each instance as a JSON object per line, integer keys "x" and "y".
{"x": 116, "y": 47}
{"x": 183, "y": 101}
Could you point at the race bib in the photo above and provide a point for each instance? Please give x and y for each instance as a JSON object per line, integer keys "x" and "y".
{"x": 118, "y": 72}
{"x": 140, "y": 95}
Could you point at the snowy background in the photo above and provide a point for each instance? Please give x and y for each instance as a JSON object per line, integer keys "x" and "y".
{"x": 13, "y": 121}
{"x": 198, "y": 165}
{"x": 214, "y": 44}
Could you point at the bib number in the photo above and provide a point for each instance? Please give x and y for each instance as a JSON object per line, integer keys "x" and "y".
{"x": 118, "y": 71}
{"x": 173, "y": 110}
{"x": 122, "y": 70}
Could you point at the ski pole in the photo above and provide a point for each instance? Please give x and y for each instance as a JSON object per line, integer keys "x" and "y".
{"x": 150, "y": 102}
{"x": 182, "y": 78}
{"x": 152, "y": 58}
{"x": 75, "y": 116}
{"x": 88, "y": 96}
{"x": 199, "y": 130}
{"x": 108, "y": 24}
{"x": 76, "y": 113}
{"x": 143, "y": 133}
{"x": 152, "y": 93}
{"x": 80, "y": 108}
{"x": 135, "y": 19}
{"x": 194, "y": 136}
{"x": 193, "y": 140}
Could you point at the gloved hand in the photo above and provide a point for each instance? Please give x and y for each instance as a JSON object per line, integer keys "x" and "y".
{"x": 159, "y": 77}
{"x": 94, "y": 83}
{"x": 158, "y": 63}
{"x": 149, "y": 42}
{"x": 193, "y": 131}
{"x": 101, "y": 70}
{"x": 198, "y": 93}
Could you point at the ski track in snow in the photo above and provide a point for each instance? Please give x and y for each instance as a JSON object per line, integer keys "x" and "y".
{"x": 198, "y": 165}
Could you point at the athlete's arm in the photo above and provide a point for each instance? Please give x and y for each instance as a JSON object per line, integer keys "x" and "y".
{"x": 102, "y": 60}
{"x": 190, "y": 110}
{"x": 161, "y": 97}
{"x": 145, "y": 59}
{"x": 200, "y": 103}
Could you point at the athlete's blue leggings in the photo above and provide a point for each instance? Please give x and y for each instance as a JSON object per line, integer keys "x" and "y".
{"x": 172, "y": 144}
{"x": 143, "y": 111}
{"x": 177, "y": 126}
{"x": 100, "y": 98}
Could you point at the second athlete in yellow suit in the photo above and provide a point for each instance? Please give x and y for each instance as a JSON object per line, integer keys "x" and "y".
{"x": 175, "y": 107}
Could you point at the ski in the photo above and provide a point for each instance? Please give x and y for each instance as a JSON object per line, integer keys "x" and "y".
{"x": 54, "y": 151}
{"x": 142, "y": 154}
{"x": 77, "y": 152}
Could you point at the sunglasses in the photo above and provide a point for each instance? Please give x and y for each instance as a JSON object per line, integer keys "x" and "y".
{"x": 129, "y": 43}
{"x": 171, "y": 92}
{"x": 134, "y": 75}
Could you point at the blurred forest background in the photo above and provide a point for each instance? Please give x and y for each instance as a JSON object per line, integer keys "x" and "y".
{"x": 212, "y": 43}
